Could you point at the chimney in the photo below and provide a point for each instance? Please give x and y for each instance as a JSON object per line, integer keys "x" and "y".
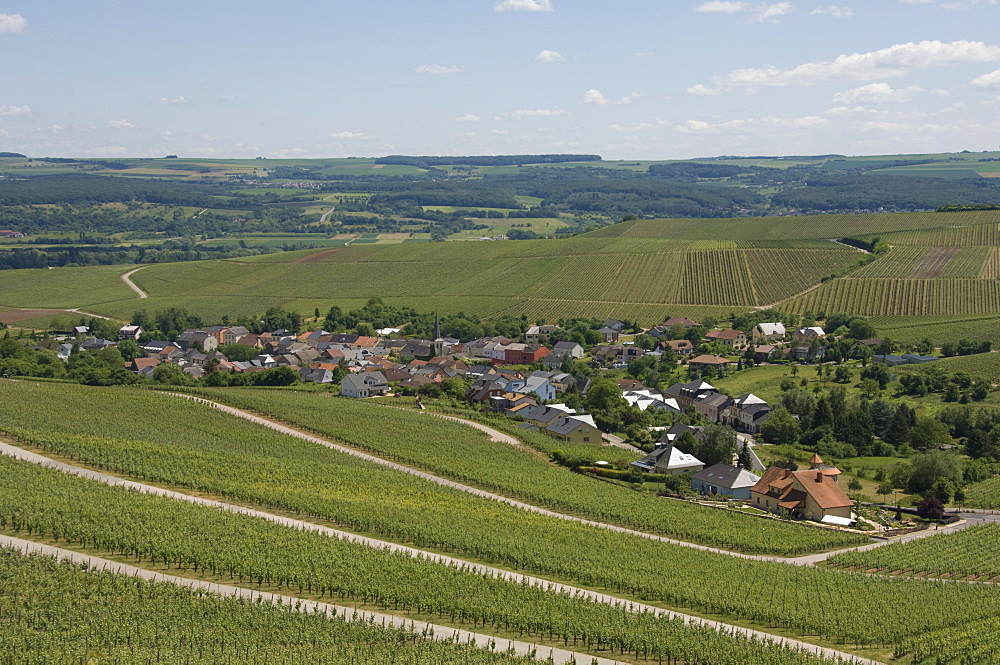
{"x": 819, "y": 476}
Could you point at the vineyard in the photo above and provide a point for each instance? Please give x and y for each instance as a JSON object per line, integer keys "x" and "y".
{"x": 60, "y": 614}
{"x": 969, "y": 553}
{"x": 902, "y": 297}
{"x": 778, "y": 274}
{"x": 717, "y": 278}
{"x": 939, "y": 329}
{"x": 206, "y": 450}
{"x": 41, "y": 503}
{"x": 985, "y": 494}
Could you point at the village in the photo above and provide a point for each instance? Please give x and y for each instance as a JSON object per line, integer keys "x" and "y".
{"x": 528, "y": 379}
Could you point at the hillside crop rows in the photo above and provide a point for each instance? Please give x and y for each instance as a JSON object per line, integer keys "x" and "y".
{"x": 895, "y": 264}
{"x": 403, "y": 435}
{"x": 902, "y": 297}
{"x": 969, "y": 552}
{"x": 779, "y": 274}
{"x": 907, "y": 330}
{"x": 968, "y": 263}
{"x": 470, "y": 457}
{"x": 974, "y": 234}
{"x": 717, "y": 277}
{"x": 991, "y": 268}
{"x": 41, "y": 503}
{"x": 969, "y": 644}
{"x": 61, "y": 614}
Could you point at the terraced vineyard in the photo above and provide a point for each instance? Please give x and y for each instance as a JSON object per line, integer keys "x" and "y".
{"x": 970, "y": 552}
{"x": 59, "y": 613}
{"x": 209, "y": 439}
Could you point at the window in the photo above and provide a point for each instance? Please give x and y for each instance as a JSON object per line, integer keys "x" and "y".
{"x": 586, "y": 439}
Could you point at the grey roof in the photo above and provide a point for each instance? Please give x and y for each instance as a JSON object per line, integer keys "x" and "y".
{"x": 566, "y": 425}
{"x": 725, "y": 475}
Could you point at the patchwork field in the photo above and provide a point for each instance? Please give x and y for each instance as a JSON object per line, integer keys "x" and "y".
{"x": 642, "y": 270}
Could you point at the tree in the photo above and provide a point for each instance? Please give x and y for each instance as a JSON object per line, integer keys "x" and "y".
{"x": 899, "y": 475}
{"x": 717, "y": 446}
{"x": 171, "y": 374}
{"x": 781, "y": 427}
{"x": 862, "y": 329}
{"x": 129, "y": 350}
{"x": 933, "y": 466}
{"x": 745, "y": 459}
{"x": 931, "y": 508}
{"x": 884, "y": 490}
{"x": 929, "y": 433}
{"x": 238, "y": 353}
{"x": 854, "y": 484}
{"x": 943, "y": 489}
{"x": 879, "y": 372}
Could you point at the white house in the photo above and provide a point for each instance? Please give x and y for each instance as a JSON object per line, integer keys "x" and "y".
{"x": 670, "y": 461}
{"x": 364, "y": 384}
{"x": 806, "y": 334}
{"x": 540, "y": 385}
{"x": 768, "y": 332}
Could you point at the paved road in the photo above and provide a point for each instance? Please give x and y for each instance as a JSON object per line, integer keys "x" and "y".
{"x": 433, "y": 631}
{"x": 495, "y": 435}
{"x": 128, "y": 282}
{"x": 18, "y": 453}
{"x": 618, "y": 442}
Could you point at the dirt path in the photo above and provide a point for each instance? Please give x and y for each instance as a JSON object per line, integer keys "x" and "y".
{"x": 318, "y": 257}
{"x": 36, "y": 458}
{"x": 130, "y": 284}
{"x": 429, "y": 630}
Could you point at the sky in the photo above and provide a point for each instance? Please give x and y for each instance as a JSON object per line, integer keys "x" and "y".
{"x": 625, "y": 79}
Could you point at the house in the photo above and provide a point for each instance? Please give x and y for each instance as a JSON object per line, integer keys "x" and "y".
{"x": 539, "y": 385}
{"x": 64, "y": 351}
{"x": 670, "y": 434}
{"x": 684, "y": 321}
{"x": 668, "y": 460}
{"x": 768, "y": 332}
{"x": 233, "y": 335}
{"x": 679, "y": 347}
{"x": 713, "y": 406}
{"x": 365, "y": 384}
{"x": 748, "y": 413}
{"x": 524, "y": 354}
{"x": 571, "y": 349}
{"x": 535, "y": 334}
{"x": 543, "y": 416}
{"x": 808, "y": 494}
{"x": 8, "y": 233}
{"x": 610, "y": 334}
{"x": 687, "y": 393}
{"x": 718, "y": 363}
{"x": 81, "y": 330}
{"x": 734, "y": 339}
{"x": 762, "y": 352}
{"x": 807, "y": 353}
{"x": 140, "y": 364}
{"x": 816, "y": 463}
{"x": 157, "y": 346}
{"x": 614, "y": 324}
{"x": 650, "y": 399}
{"x": 560, "y": 380}
{"x": 725, "y": 480}
{"x": 198, "y": 339}
{"x": 95, "y": 344}
{"x": 129, "y": 332}
{"x": 575, "y": 429}
{"x": 806, "y": 334}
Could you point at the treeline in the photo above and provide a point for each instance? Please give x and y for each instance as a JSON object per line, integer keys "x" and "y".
{"x": 692, "y": 171}
{"x": 845, "y": 193}
{"x": 375, "y": 315}
{"x": 485, "y": 160}
{"x": 166, "y": 252}
{"x": 79, "y": 188}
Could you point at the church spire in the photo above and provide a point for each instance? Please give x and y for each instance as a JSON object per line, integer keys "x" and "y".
{"x": 437, "y": 326}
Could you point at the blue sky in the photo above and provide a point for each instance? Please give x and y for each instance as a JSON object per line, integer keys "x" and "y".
{"x": 644, "y": 79}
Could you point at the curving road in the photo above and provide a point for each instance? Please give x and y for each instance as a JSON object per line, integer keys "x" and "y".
{"x": 130, "y": 284}
{"x": 36, "y": 458}
{"x": 430, "y": 630}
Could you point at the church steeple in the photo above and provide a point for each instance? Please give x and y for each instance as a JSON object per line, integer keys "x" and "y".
{"x": 437, "y": 326}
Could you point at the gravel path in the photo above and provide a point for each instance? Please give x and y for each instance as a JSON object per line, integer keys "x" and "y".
{"x": 19, "y": 453}
{"x": 433, "y": 631}
{"x": 128, "y": 282}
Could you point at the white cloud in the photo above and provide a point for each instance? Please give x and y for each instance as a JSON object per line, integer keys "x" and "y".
{"x": 759, "y": 12}
{"x": 438, "y": 69}
{"x": 834, "y": 11}
{"x": 174, "y": 100}
{"x": 766, "y": 124}
{"x": 525, "y": 113}
{"x": 722, "y": 7}
{"x": 468, "y": 117}
{"x": 895, "y": 60}
{"x": 12, "y": 23}
{"x": 111, "y": 151}
{"x": 8, "y": 111}
{"x": 120, "y": 124}
{"x": 766, "y": 11}
{"x": 703, "y": 90}
{"x": 875, "y": 93}
{"x": 523, "y": 6}
{"x": 352, "y": 135}
{"x": 640, "y": 127}
{"x": 988, "y": 81}
{"x": 596, "y": 97}
{"x": 547, "y": 56}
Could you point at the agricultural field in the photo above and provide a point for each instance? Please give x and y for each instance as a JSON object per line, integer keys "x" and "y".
{"x": 985, "y": 365}
{"x": 969, "y": 553}
{"x": 498, "y": 467}
{"x": 116, "y": 520}
{"x": 131, "y": 621}
{"x": 202, "y": 542}
{"x": 938, "y": 329}
{"x": 902, "y": 297}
